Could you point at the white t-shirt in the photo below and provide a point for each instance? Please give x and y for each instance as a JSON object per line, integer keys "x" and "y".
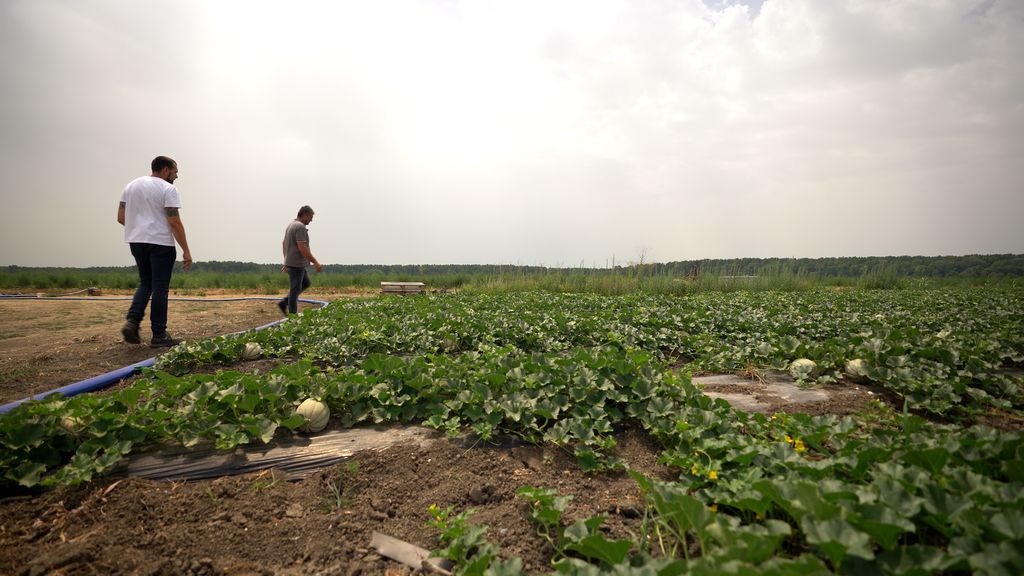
{"x": 145, "y": 219}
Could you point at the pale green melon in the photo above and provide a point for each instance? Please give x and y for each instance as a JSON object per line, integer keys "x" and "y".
{"x": 856, "y": 370}
{"x": 803, "y": 368}
{"x": 316, "y": 414}
{"x": 72, "y": 424}
{"x": 252, "y": 351}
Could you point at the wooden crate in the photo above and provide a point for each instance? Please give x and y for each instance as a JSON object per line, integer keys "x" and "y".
{"x": 403, "y": 288}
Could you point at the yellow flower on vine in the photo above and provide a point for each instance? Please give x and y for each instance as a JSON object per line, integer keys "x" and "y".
{"x": 789, "y": 439}
{"x": 713, "y": 475}
{"x": 799, "y": 446}
{"x": 695, "y": 470}
{"x": 713, "y": 507}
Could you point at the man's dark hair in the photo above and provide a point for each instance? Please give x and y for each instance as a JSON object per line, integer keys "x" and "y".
{"x": 305, "y": 210}
{"x": 161, "y": 162}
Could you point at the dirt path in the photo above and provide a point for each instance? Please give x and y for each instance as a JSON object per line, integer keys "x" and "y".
{"x": 48, "y": 343}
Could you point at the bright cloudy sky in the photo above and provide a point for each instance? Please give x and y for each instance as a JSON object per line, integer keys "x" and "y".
{"x": 518, "y": 132}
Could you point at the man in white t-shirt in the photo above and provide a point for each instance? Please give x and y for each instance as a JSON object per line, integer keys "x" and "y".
{"x": 149, "y": 213}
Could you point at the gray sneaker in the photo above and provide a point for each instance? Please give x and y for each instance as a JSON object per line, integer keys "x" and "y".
{"x": 163, "y": 341}
{"x": 130, "y": 332}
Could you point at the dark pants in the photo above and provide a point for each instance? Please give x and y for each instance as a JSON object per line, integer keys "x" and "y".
{"x": 155, "y": 264}
{"x": 298, "y": 281}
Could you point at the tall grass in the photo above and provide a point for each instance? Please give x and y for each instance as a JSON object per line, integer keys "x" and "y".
{"x": 66, "y": 280}
{"x": 614, "y": 282}
{"x": 601, "y": 281}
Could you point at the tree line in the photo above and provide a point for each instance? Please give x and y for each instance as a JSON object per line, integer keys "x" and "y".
{"x": 970, "y": 266}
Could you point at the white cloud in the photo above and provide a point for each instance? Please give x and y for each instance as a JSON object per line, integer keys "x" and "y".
{"x": 529, "y": 132}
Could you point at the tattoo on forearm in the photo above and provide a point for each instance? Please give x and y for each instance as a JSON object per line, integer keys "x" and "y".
{"x": 171, "y": 212}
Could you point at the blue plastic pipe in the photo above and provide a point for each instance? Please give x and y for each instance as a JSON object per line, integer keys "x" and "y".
{"x": 115, "y": 376}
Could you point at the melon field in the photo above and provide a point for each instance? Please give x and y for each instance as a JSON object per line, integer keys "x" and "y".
{"x": 566, "y": 433}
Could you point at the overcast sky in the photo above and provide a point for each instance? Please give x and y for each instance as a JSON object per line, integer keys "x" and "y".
{"x": 518, "y": 132}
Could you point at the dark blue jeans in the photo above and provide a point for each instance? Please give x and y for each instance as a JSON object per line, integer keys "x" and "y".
{"x": 155, "y": 264}
{"x": 298, "y": 281}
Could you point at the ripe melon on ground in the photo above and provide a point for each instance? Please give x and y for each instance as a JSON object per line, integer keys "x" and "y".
{"x": 252, "y": 351}
{"x": 316, "y": 414}
{"x": 72, "y": 424}
{"x": 803, "y": 368}
{"x": 856, "y": 370}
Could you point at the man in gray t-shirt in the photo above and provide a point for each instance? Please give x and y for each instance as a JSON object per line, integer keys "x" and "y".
{"x": 295, "y": 248}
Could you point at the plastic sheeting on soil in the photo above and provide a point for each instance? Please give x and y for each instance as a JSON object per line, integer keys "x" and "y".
{"x": 296, "y": 457}
{"x": 759, "y": 395}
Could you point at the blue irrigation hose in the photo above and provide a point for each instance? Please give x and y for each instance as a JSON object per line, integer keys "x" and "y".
{"x": 115, "y": 376}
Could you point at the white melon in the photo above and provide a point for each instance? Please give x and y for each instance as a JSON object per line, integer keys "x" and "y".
{"x": 856, "y": 370}
{"x": 72, "y": 424}
{"x": 803, "y": 368}
{"x": 252, "y": 351}
{"x": 316, "y": 414}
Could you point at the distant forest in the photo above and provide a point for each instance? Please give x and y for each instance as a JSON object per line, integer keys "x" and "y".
{"x": 971, "y": 266}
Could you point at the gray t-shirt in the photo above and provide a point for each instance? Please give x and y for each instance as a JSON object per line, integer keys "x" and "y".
{"x": 295, "y": 232}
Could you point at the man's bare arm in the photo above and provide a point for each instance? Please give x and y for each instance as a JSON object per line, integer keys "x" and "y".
{"x": 178, "y": 231}
{"x": 120, "y": 213}
{"x": 304, "y": 249}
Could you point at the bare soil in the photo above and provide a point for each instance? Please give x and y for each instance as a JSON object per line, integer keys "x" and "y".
{"x": 263, "y": 524}
{"x": 47, "y": 343}
{"x": 266, "y": 523}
